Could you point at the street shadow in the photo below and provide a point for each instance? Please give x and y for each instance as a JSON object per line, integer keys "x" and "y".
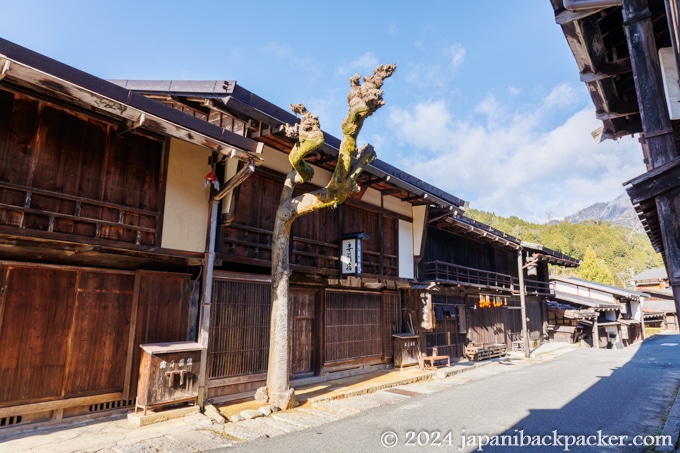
{"x": 599, "y": 419}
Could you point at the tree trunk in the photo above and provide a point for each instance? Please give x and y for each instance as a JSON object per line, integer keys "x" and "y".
{"x": 278, "y": 392}
{"x": 363, "y": 100}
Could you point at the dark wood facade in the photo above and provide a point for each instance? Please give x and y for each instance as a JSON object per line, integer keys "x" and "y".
{"x": 84, "y": 277}
{"x": 106, "y": 243}
{"x": 70, "y": 335}
{"x": 472, "y": 275}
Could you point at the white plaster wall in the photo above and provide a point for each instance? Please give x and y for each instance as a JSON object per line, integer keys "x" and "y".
{"x": 406, "y": 250}
{"x": 185, "y": 219}
{"x": 419, "y": 223}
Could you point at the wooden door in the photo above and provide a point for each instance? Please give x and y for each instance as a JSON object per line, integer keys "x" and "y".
{"x": 303, "y": 326}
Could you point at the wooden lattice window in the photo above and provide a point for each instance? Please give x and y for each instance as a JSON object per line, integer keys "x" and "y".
{"x": 353, "y": 326}
{"x": 239, "y": 328}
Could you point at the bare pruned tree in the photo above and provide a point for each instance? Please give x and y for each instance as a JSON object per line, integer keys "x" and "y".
{"x": 363, "y": 100}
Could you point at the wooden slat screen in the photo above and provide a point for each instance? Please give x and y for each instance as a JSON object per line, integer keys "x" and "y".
{"x": 392, "y": 324}
{"x": 239, "y": 328}
{"x": 353, "y": 326}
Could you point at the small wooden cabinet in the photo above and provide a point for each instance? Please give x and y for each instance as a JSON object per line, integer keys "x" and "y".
{"x": 406, "y": 350}
{"x": 168, "y": 374}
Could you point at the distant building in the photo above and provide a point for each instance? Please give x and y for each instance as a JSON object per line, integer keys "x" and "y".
{"x": 602, "y": 316}
{"x": 659, "y": 307}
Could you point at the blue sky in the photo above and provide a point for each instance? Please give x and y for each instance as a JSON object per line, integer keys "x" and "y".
{"x": 486, "y": 102}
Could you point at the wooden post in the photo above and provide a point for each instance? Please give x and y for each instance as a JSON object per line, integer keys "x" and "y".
{"x": 523, "y": 304}
{"x": 596, "y": 334}
{"x": 206, "y": 300}
{"x": 656, "y": 124}
{"x": 642, "y": 317}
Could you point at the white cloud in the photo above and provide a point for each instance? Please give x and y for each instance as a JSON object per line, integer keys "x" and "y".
{"x": 562, "y": 96}
{"x": 364, "y": 65}
{"x": 438, "y": 75}
{"x": 509, "y": 164}
{"x": 456, "y": 53}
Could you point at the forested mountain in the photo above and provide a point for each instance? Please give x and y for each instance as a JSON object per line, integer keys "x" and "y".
{"x": 609, "y": 253}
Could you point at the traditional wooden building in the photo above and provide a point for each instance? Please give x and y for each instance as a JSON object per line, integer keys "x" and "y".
{"x": 659, "y": 308}
{"x": 619, "y": 319}
{"x": 628, "y": 54}
{"x": 475, "y": 278}
{"x": 103, "y": 226}
{"x": 141, "y": 212}
{"x": 340, "y": 322}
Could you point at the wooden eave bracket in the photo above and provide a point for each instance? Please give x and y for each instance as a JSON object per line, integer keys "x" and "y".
{"x": 4, "y": 63}
{"x": 654, "y": 182}
{"x": 607, "y": 70}
{"x": 235, "y": 180}
{"x": 131, "y": 125}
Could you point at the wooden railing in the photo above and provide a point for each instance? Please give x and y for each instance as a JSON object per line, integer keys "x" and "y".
{"x": 43, "y": 210}
{"x": 536, "y": 287}
{"x": 442, "y": 271}
{"x": 254, "y": 244}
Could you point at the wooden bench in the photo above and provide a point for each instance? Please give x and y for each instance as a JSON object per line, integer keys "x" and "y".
{"x": 434, "y": 358}
{"x": 477, "y": 352}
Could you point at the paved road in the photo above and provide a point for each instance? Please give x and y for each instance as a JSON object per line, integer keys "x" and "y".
{"x": 588, "y": 394}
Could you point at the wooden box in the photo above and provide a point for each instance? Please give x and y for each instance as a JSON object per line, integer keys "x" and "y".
{"x": 406, "y": 350}
{"x": 168, "y": 374}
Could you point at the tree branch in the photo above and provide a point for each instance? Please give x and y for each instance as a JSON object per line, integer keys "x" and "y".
{"x": 309, "y": 137}
{"x": 363, "y": 101}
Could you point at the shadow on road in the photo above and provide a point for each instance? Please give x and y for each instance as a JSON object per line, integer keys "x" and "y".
{"x": 599, "y": 419}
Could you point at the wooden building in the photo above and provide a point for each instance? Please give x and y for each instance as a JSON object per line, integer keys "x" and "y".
{"x": 659, "y": 307}
{"x": 628, "y": 53}
{"x": 339, "y": 322}
{"x": 619, "y": 321}
{"x": 98, "y": 188}
{"x": 470, "y": 275}
{"x": 141, "y": 212}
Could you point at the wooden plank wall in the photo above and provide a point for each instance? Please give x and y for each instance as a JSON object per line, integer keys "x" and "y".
{"x": 486, "y": 325}
{"x": 304, "y": 331}
{"x": 69, "y": 334}
{"x": 62, "y": 172}
{"x": 456, "y": 249}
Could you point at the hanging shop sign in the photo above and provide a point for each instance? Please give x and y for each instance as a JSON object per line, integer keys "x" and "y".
{"x": 350, "y": 253}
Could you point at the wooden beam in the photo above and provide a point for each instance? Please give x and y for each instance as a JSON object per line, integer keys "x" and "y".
{"x": 56, "y": 404}
{"x": 621, "y": 110}
{"x": 131, "y": 125}
{"x": 4, "y": 63}
{"x": 654, "y": 182}
{"x": 607, "y": 70}
{"x": 566, "y": 16}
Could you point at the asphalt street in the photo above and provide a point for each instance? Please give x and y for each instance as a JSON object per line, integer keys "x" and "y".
{"x": 585, "y": 400}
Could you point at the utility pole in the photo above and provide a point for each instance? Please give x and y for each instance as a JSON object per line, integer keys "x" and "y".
{"x": 523, "y": 304}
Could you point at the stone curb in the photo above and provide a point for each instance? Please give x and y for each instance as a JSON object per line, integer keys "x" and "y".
{"x": 372, "y": 388}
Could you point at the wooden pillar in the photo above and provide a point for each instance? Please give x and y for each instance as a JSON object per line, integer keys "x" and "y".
{"x": 596, "y": 334}
{"x": 656, "y": 124}
{"x": 206, "y": 301}
{"x": 523, "y": 304}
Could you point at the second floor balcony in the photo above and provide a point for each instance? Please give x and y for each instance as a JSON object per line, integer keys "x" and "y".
{"x": 455, "y": 274}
